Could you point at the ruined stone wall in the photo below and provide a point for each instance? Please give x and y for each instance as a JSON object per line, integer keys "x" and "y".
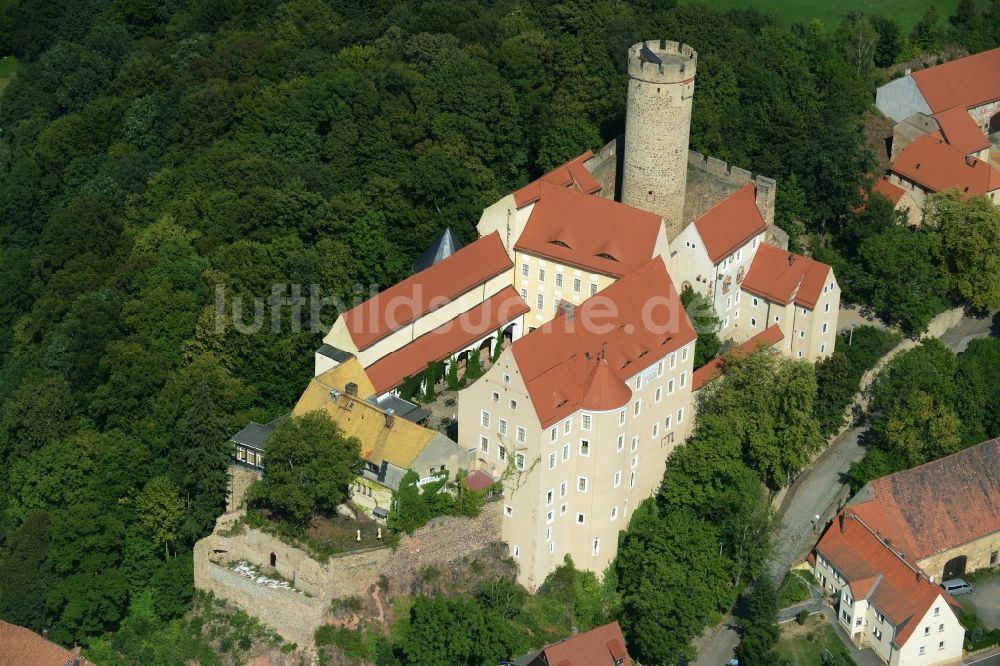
{"x": 240, "y": 480}
{"x": 296, "y": 616}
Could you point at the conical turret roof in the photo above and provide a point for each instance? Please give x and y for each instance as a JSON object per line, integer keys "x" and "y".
{"x": 443, "y": 247}
{"x": 603, "y": 390}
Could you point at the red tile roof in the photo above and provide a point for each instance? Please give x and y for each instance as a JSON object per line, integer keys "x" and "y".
{"x": 961, "y": 131}
{"x": 731, "y": 223}
{"x": 634, "y": 323}
{"x": 601, "y": 646}
{"x": 890, "y": 582}
{"x": 589, "y": 232}
{"x": 479, "y": 480}
{"x": 495, "y": 312}
{"x": 20, "y": 646}
{"x": 938, "y": 505}
{"x": 780, "y": 276}
{"x": 769, "y": 337}
{"x": 603, "y": 390}
{"x": 966, "y": 82}
{"x": 937, "y": 166}
{"x": 427, "y": 290}
{"x": 891, "y": 192}
{"x": 571, "y": 175}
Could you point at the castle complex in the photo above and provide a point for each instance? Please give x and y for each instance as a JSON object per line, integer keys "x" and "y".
{"x": 570, "y": 301}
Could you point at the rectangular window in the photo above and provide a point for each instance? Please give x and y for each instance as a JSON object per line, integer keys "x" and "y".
{"x": 635, "y": 407}
{"x": 658, "y": 394}
{"x": 519, "y": 460}
{"x": 565, "y": 452}
{"x": 684, "y": 377}
{"x": 508, "y": 510}
{"x": 826, "y": 327}
{"x": 631, "y": 481}
{"x": 725, "y": 323}
{"x": 501, "y": 452}
{"x": 618, "y": 478}
{"x": 579, "y": 519}
{"x": 621, "y": 442}
{"x": 656, "y": 430}
{"x": 673, "y": 360}
{"x": 513, "y": 403}
{"x": 754, "y": 302}
{"x": 522, "y": 435}
{"x": 597, "y": 546}
{"x": 684, "y": 353}
{"x": 777, "y": 318}
{"x": 548, "y": 530}
{"x": 680, "y": 415}
{"x": 562, "y": 510}
{"x": 878, "y": 633}
{"x": 581, "y": 484}
{"x": 524, "y": 270}
{"x": 517, "y": 551}
{"x": 635, "y": 443}
{"x": 541, "y": 275}
{"x": 593, "y": 288}
{"x": 614, "y": 513}
{"x": 670, "y": 387}
{"x": 927, "y": 631}
{"x": 638, "y": 382}
{"x": 506, "y": 380}
{"x": 553, "y": 433}
{"x": 585, "y": 421}
{"x": 484, "y": 444}
{"x": 540, "y": 301}
{"x": 503, "y": 427}
{"x": 559, "y": 280}
{"x": 937, "y": 611}
{"x": 621, "y": 416}
{"x": 805, "y": 313}
{"x": 524, "y": 295}
{"x": 485, "y": 418}
{"x": 940, "y": 645}
{"x": 552, "y": 460}
{"x": 635, "y": 461}
{"x": 822, "y": 348}
{"x": 549, "y": 496}
{"x": 567, "y": 424}
{"x": 923, "y": 649}
{"x": 562, "y": 491}
{"x": 666, "y": 422}
{"x": 576, "y": 285}
{"x": 659, "y": 368}
{"x": 584, "y": 447}
{"x": 941, "y": 627}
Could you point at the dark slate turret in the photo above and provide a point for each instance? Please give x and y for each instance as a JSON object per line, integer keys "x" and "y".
{"x": 443, "y": 247}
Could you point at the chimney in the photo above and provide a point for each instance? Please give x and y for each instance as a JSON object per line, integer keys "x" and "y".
{"x": 791, "y": 258}
{"x": 351, "y": 389}
{"x": 390, "y": 418}
{"x": 843, "y": 522}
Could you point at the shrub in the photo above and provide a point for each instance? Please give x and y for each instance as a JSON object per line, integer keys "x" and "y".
{"x": 802, "y": 616}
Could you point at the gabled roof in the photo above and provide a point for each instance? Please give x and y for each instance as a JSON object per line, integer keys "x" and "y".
{"x": 399, "y": 445}
{"x": 769, "y": 337}
{"x": 443, "y": 247}
{"x": 20, "y": 646}
{"x": 633, "y": 323}
{"x": 589, "y": 232}
{"x": 731, "y": 223}
{"x": 891, "y": 192}
{"x": 961, "y": 131}
{"x": 938, "y": 505}
{"x": 426, "y": 291}
{"x": 255, "y": 435}
{"x": 601, "y": 646}
{"x": 572, "y": 175}
{"x": 966, "y": 82}
{"x": 438, "y": 344}
{"x": 937, "y": 166}
{"x": 781, "y": 276}
{"x": 479, "y": 480}
{"x": 890, "y": 582}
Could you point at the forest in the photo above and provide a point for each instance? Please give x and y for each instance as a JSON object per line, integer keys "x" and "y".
{"x": 153, "y": 153}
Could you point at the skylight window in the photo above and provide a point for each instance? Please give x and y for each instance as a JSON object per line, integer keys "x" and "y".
{"x": 605, "y": 255}
{"x": 559, "y": 243}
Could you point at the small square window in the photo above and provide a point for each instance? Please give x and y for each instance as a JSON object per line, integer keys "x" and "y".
{"x": 496, "y": 397}
{"x": 940, "y": 645}
{"x": 513, "y": 404}
{"x": 508, "y": 510}
{"x": 579, "y": 519}
{"x": 923, "y": 650}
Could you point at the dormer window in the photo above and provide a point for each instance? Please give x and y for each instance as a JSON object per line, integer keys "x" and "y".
{"x": 559, "y": 243}
{"x": 605, "y": 255}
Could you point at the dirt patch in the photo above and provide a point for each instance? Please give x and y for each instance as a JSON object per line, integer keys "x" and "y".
{"x": 877, "y": 134}
{"x": 339, "y": 533}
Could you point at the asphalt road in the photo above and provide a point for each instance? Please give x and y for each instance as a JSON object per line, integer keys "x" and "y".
{"x": 816, "y": 492}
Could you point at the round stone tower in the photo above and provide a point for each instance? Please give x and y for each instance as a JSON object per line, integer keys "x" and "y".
{"x": 657, "y": 127}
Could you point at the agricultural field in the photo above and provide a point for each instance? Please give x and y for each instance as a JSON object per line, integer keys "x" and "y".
{"x": 802, "y": 11}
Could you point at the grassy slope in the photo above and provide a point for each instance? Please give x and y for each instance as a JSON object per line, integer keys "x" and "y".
{"x": 805, "y": 644}
{"x": 8, "y": 70}
{"x": 830, "y": 11}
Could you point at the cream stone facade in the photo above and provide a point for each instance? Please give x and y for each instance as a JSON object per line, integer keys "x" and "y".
{"x": 657, "y": 127}
{"x": 570, "y": 487}
{"x": 809, "y": 332}
{"x": 543, "y": 284}
{"x": 978, "y": 553}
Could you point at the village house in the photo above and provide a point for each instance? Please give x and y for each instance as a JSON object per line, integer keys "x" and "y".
{"x": 883, "y": 599}
{"x": 930, "y": 165}
{"x": 20, "y": 646}
{"x": 900, "y": 199}
{"x": 601, "y": 646}
{"x": 578, "y": 417}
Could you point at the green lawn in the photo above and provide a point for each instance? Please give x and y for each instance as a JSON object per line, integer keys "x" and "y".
{"x": 8, "y": 70}
{"x": 831, "y": 11}
{"x": 793, "y": 590}
{"x": 804, "y": 644}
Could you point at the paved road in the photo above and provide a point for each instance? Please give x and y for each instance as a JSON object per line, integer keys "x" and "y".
{"x": 983, "y": 661}
{"x": 985, "y": 601}
{"x": 816, "y": 492}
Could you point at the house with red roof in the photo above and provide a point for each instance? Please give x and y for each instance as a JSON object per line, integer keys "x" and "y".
{"x": 962, "y": 95}
{"x": 20, "y": 646}
{"x": 566, "y": 242}
{"x": 601, "y": 646}
{"x": 930, "y": 165}
{"x": 900, "y": 199}
{"x": 578, "y": 418}
{"x": 883, "y": 599}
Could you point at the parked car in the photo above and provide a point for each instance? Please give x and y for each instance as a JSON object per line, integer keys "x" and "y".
{"x": 956, "y": 586}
